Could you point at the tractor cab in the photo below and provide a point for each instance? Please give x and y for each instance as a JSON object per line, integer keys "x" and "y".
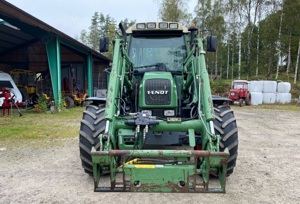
{"x": 241, "y": 84}
{"x": 157, "y": 51}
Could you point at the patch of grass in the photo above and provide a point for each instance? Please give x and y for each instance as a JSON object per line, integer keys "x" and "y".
{"x": 39, "y": 126}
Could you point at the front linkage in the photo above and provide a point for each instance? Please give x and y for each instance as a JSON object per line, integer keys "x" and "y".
{"x": 146, "y": 176}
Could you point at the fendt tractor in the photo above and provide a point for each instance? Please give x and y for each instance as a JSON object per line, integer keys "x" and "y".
{"x": 159, "y": 128}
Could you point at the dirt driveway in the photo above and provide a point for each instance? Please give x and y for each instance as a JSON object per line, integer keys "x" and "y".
{"x": 267, "y": 170}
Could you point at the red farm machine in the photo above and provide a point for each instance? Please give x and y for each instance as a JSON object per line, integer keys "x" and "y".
{"x": 10, "y": 96}
{"x": 239, "y": 92}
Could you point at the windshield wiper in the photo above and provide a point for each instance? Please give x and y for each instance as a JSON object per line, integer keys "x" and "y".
{"x": 151, "y": 67}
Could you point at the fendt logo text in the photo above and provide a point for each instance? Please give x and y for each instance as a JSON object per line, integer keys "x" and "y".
{"x": 158, "y": 92}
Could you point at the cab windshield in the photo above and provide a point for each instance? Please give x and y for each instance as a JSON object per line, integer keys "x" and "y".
{"x": 145, "y": 52}
{"x": 240, "y": 85}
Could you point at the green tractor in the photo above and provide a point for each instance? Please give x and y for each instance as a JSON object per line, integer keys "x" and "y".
{"x": 159, "y": 129}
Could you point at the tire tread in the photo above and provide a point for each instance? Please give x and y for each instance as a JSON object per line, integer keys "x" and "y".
{"x": 225, "y": 126}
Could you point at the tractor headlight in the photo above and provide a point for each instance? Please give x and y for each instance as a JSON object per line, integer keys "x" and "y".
{"x": 232, "y": 93}
{"x": 147, "y": 112}
{"x": 169, "y": 113}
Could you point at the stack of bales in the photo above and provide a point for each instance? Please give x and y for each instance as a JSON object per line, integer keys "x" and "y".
{"x": 269, "y": 92}
{"x": 283, "y": 92}
{"x": 255, "y": 88}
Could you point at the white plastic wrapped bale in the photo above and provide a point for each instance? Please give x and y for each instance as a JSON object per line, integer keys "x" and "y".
{"x": 269, "y": 86}
{"x": 283, "y": 87}
{"x": 283, "y": 97}
{"x": 256, "y": 98}
{"x": 255, "y": 86}
{"x": 269, "y": 98}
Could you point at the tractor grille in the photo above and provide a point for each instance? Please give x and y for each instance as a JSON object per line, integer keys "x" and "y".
{"x": 158, "y": 91}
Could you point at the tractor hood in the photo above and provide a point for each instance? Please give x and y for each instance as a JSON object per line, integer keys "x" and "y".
{"x": 158, "y": 90}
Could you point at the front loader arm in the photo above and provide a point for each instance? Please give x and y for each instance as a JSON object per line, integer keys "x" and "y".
{"x": 205, "y": 91}
{"x": 197, "y": 76}
{"x": 118, "y": 78}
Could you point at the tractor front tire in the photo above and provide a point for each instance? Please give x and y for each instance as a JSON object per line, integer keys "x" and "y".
{"x": 225, "y": 126}
{"x": 92, "y": 124}
{"x": 25, "y": 96}
{"x": 241, "y": 102}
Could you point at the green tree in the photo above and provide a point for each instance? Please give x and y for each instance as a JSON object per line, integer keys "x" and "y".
{"x": 290, "y": 32}
{"x": 280, "y": 31}
{"x": 252, "y": 8}
{"x": 203, "y": 11}
{"x": 94, "y": 31}
{"x": 174, "y": 11}
{"x": 102, "y": 25}
{"x": 211, "y": 16}
{"x": 99, "y": 27}
{"x": 269, "y": 36}
{"x": 110, "y": 33}
{"x": 84, "y": 37}
{"x": 127, "y": 23}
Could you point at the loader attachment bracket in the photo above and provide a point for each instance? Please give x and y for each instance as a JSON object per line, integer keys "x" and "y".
{"x": 161, "y": 170}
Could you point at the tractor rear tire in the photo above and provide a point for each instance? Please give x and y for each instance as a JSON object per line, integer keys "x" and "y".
{"x": 225, "y": 126}
{"x": 92, "y": 124}
{"x": 25, "y": 96}
{"x": 68, "y": 102}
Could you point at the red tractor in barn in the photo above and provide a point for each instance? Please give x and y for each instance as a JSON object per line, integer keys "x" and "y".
{"x": 239, "y": 92}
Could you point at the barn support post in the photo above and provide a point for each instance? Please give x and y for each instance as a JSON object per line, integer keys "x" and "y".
{"x": 89, "y": 74}
{"x": 54, "y": 61}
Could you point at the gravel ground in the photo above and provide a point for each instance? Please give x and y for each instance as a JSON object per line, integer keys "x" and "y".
{"x": 267, "y": 169}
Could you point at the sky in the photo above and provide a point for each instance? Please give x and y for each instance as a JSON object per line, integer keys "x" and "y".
{"x": 72, "y": 16}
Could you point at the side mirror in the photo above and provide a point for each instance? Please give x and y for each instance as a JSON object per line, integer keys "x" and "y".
{"x": 104, "y": 44}
{"x": 211, "y": 43}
